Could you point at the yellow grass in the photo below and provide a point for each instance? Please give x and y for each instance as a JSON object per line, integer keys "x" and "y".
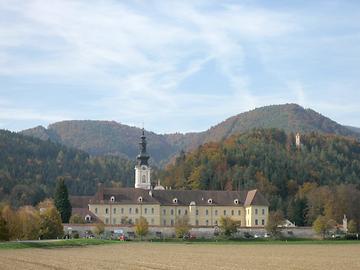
{"x": 185, "y": 256}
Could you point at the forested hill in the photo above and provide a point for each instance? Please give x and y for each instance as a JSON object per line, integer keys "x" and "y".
{"x": 111, "y": 138}
{"x": 269, "y": 160}
{"x": 29, "y": 168}
{"x": 100, "y": 138}
{"x": 287, "y": 117}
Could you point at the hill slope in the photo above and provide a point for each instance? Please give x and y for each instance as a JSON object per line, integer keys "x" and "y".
{"x": 104, "y": 138}
{"x": 288, "y": 117}
{"x": 268, "y": 159}
{"x": 111, "y": 138}
{"x": 29, "y": 168}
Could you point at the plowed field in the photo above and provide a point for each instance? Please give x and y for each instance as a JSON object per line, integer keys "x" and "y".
{"x": 186, "y": 256}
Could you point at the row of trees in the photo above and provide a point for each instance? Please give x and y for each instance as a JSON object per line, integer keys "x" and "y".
{"x": 28, "y": 222}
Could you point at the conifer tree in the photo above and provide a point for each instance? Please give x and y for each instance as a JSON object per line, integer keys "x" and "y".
{"x": 62, "y": 201}
{"x": 4, "y": 232}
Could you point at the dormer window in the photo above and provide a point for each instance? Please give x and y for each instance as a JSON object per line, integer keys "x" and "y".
{"x": 192, "y": 203}
{"x": 112, "y": 199}
{"x": 140, "y": 199}
{"x": 175, "y": 200}
{"x": 210, "y": 201}
{"x": 236, "y": 201}
{"x": 87, "y": 218}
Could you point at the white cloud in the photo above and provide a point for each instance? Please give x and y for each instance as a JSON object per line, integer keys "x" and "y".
{"x": 136, "y": 55}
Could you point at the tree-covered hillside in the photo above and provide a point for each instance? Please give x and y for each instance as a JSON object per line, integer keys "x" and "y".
{"x": 29, "y": 168}
{"x": 111, "y": 138}
{"x": 269, "y": 160}
{"x": 99, "y": 138}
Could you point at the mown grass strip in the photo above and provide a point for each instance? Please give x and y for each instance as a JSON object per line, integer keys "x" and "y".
{"x": 55, "y": 243}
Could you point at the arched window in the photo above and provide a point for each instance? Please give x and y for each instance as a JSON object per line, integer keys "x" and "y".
{"x": 236, "y": 201}
{"x": 106, "y": 210}
{"x": 143, "y": 178}
{"x": 112, "y": 199}
{"x": 175, "y": 200}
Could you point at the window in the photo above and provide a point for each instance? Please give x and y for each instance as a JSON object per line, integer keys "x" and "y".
{"x": 136, "y": 220}
{"x": 143, "y": 178}
{"x": 152, "y": 221}
{"x": 256, "y": 211}
{"x": 164, "y": 222}
{"x": 197, "y": 212}
{"x": 140, "y": 199}
{"x": 114, "y": 210}
{"x": 197, "y": 222}
{"x": 256, "y": 222}
{"x": 185, "y": 212}
{"x": 172, "y": 222}
{"x": 106, "y": 220}
{"x": 164, "y": 211}
{"x": 262, "y": 222}
{"x": 224, "y": 212}
{"x": 112, "y": 199}
{"x": 114, "y": 220}
{"x": 232, "y": 212}
{"x": 130, "y": 210}
{"x": 136, "y": 210}
{"x": 207, "y": 212}
{"x": 240, "y": 223}
{"x": 130, "y": 221}
{"x": 216, "y": 222}
{"x": 239, "y": 212}
{"x": 145, "y": 210}
{"x": 179, "y": 212}
{"x": 122, "y": 210}
{"x": 175, "y": 200}
{"x": 207, "y": 223}
{"x": 172, "y": 212}
{"x": 216, "y": 212}
{"x": 95, "y": 210}
{"x": 263, "y": 211}
{"x": 106, "y": 211}
{"x": 152, "y": 210}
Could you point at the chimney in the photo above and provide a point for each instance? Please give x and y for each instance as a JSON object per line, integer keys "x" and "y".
{"x": 100, "y": 192}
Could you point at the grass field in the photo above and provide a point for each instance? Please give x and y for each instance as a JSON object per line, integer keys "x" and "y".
{"x": 135, "y": 255}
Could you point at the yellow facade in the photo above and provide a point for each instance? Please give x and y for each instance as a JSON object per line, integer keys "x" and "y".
{"x": 256, "y": 216}
{"x": 163, "y": 215}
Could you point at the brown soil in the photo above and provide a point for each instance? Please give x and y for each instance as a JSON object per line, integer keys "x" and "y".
{"x": 183, "y": 256}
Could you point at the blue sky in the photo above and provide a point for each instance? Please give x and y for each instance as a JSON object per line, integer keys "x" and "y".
{"x": 175, "y": 65}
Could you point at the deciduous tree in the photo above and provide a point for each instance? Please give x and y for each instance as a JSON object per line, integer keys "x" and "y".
{"x": 141, "y": 227}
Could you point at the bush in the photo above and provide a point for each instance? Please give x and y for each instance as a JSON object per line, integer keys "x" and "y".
{"x": 182, "y": 226}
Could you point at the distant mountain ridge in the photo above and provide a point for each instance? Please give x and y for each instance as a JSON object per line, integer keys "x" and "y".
{"x": 112, "y": 138}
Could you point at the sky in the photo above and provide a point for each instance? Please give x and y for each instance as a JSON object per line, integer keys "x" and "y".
{"x": 175, "y": 66}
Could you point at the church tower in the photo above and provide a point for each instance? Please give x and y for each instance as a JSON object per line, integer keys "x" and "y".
{"x": 142, "y": 168}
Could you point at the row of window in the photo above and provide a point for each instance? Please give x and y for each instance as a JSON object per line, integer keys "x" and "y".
{"x": 256, "y": 211}
{"x": 146, "y": 210}
{"x": 207, "y": 222}
{"x": 126, "y": 221}
{"x": 185, "y": 211}
{"x": 257, "y": 222}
